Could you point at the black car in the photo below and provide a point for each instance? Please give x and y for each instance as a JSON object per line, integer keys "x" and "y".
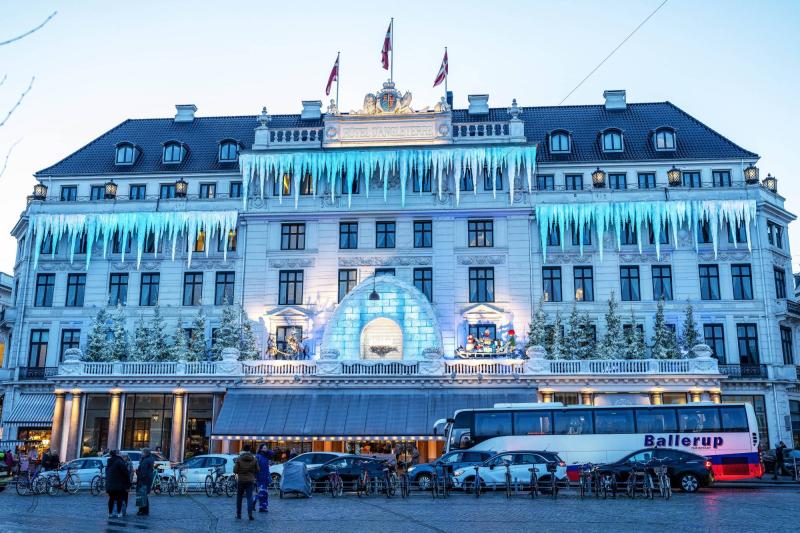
{"x": 349, "y": 468}
{"x": 688, "y": 471}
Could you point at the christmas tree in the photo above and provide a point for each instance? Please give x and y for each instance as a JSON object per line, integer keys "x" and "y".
{"x": 249, "y": 348}
{"x": 229, "y": 332}
{"x": 180, "y": 348}
{"x": 634, "y": 340}
{"x": 557, "y": 348}
{"x": 98, "y": 348}
{"x": 572, "y": 341}
{"x": 119, "y": 341}
{"x": 613, "y": 345}
{"x": 197, "y": 342}
{"x": 537, "y": 330}
{"x": 690, "y": 337}
{"x": 664, "y": 342}
{"x": 586, "y": 337}
{"x": 140, "y": 351}
{"x": 159, "y": 347}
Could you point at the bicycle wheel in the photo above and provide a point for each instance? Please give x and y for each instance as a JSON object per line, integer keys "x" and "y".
{"x": 230, "y": 486}
{"x": 23, "y": 486}
{"x": 183, "y": 485}
{"x": 72, "y": 484}
{"x": 94, "y": 486}
{"x": 405, "y": 486}
{"x": 210, "y": 486}
{"x": 508, "y": 485}
{"x": 51, "y": 486}
{"x": 171, "y": 486}
{"x": 39, "y": 485}
{"x": 339, "y": 486}
{"x": 630, "y": 489}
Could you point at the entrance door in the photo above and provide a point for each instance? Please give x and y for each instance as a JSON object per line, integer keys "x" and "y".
{"x": 382, "y": 339}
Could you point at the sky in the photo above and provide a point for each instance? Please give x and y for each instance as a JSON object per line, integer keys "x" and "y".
{"x": 735, "y": 65}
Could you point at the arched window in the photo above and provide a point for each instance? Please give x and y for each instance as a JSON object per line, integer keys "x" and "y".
{"x": 125, "y": 154}
{"x": 228, "y": 151}
{"x": 559, "y": 142}
{"x": 612, "y": 141}
{"x": 665, "y": 139}
{"x": 174, "y": 152}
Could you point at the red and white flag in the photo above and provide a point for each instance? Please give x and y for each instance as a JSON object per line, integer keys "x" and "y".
{"x": 334, "y": 76}
{"x": 387, "y": 47}
{"x": 442, "y": 75}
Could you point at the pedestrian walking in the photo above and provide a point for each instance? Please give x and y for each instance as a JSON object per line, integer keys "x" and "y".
{"x": 144, "y": 481}
{"x": 264, "y": 457}
{"x": 779, "y": 461}
{"x": 246, "y": 467}
{"x": 24, "y": 462}
{"x": 9, "y": 460}
{"x": 117, "y": 484}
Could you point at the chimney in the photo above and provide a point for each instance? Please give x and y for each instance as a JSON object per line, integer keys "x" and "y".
{"x": 450, "y": 99}
{"x": 185, "y": 112}
{"x": 478, "y": 104}
{"x": 312, "y": 110}
{"x": 615, "y": 99}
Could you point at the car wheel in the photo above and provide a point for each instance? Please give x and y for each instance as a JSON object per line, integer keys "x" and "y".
{"x": 424, "y": 482}
{"x": 689, "y": 482}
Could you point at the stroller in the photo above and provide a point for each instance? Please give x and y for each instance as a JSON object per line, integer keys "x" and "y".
{"x": 295, "y": 479}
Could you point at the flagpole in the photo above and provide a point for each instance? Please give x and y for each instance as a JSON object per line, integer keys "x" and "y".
{"x": 338, "y": 74}
{"x": 446, "y": 71}
{"x": 391, "y": 49}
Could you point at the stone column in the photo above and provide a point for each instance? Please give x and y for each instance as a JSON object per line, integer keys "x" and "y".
{"x": 114, "y": 420}
{"x": 176, "y": 443}
{"x": 57, "y": 430}
{"x": 656, "y": 398}
{"x": 696, "y": 395}
{"x": 716, "y": 396}
{"x": 74, "y": 435}
{"x": 586, "y": 398}
{"x": 327, "y": 446}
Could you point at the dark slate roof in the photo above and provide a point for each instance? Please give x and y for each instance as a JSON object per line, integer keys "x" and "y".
{"x": 695, "y": 140}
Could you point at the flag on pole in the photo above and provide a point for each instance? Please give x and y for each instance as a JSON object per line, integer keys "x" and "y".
{"x": 334, "y": 76}
{"x": 442, "y": 75}
{"x": 387, "y": 47}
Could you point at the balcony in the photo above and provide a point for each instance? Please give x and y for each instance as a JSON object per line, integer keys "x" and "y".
{"x": 37, "y": 372}
{"x": 793, "y": 308}
{"x": 744, "y": 371}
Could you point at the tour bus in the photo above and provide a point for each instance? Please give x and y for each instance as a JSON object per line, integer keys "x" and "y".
{"x": 726, "y": 434}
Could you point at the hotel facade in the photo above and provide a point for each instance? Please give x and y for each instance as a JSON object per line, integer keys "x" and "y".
{"x": 371, "y": 250}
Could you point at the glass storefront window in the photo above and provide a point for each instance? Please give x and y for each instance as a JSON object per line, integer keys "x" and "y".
{"x": 794, "y": 410}
{"x": 674, "y": 398}
{"x": 199, "y": 411}
{"x": 760, "y": 407}
{"x": 95, "y": 425}
{"x": 567, "y": 398}
{"x": 38, "y": 438}
{"x": 148, "y": 422}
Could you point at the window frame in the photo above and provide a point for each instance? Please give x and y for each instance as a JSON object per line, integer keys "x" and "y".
{"x": 46, "y": 283}
{"x": 170, "y": 148}
{"x": 780, "y": 282}
{"x": 97, "y": 192}
{"x": 42, "y": 344}
{"x": 208, "y": 190}
{"x": 348, "y": 239}
{"x": 787, "y": 345}
{"x": 552, "y": 284}
{"x": 423, "y": 281}
{"x": 709, "y": 282}
{"x": 293, "y": 236}
{"x": 72, "y": 342}
{"x": 137, "y": 191}
{"x": 115, "y": 284}
{"x": 423, "y": 233}
{"x": 224, "y": 287}
{"x": 714, "y": 337}
{"x": 747, "y": 341}
{"x": 634, "y": 282}
{"x": 68, "y": 193}
{"x": 742, "y": 282}
{"x": 76, "y": 290}
{"x": 688, "y": 179}
{"x": 386, "y": 229}
{"x": 646, "y": 180}
{"x": 225, "y": 148}
{"x": 660, "y": 140}
{"x": 290, "y": 287}
{"x": 583, "y": 283}
{"x": 193, "y": 288}
{"x": 480, "y": 233}
{"x": 562, "y": 138}
{"x": 344, "y": 282}
{"x": 481, "y": 284}
{"x": 662, "y": 282}
{"x": 573, "y": 182}
{"x": 611, "y": 135}
{"x": 124, "y": 148}
{"x": 618, "y": 181}
{"x": 152, "y": 285}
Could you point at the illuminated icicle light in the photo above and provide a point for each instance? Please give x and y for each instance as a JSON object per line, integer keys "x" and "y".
{"x": 102, "y": 227}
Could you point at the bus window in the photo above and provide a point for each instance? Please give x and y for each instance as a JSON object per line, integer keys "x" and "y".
{"x": 533, "y": 423}
{"x": 734, "y": 419}
{"x": 491, "y": 424}
{"x": 698, "y": 419}
{"x": 656, "y": 421}
{"x": 613, "y": 421}
{"x": 573, "y": 422}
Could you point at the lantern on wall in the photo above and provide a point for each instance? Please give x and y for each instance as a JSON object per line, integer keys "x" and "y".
{"x": 771, "y": 183}
{"x": 751, "y": 174}
{"x": 674, "y": 177}
{"x": 599, "y": 178}
{"x": 39, "y": 191}
{"x": 110, "y": 190}
{"x": 180, "y": 188}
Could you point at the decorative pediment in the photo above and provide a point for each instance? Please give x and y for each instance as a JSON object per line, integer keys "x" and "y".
{"x": 289, "y": 312}
{"x": 483, "y": 313}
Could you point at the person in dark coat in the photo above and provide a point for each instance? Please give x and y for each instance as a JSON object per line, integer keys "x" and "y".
{"x": 779, "y": 462}
{"x": 263, "y": 479}
{"x": 246, "y": 468}
{"x": 50, "y": 460}
{"x": 117, "y": 484}
{"x": 144, "y": 481}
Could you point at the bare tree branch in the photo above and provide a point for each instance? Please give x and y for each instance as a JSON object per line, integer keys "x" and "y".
{"x": 14, "y": 108}
{"x": 5, "y": 76}
{"x": 8, "y": 155}
{"x": 37, "y": 28}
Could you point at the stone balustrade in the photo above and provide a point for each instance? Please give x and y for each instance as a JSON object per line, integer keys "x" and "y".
{"x": 466, "y": 132}
{"x": 295, "y": 137}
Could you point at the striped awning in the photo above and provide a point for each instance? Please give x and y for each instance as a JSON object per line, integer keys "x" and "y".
{"x": 32, "y": 410}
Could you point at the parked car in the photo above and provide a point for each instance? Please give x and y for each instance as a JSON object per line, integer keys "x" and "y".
{"x": 422, "y": 474}
{"x": 85, "y": 468}
{"x": 311, "y": 460}
{"x": 492, "y": 472}
{"x": 789, "y": 458}
{"x": 198, "y": 467}
{"x": 136, "y": 456}
{"x": 349, "y": 468}
{"x": 686, "y": 470}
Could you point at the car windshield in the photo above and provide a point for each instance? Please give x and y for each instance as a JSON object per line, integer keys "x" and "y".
{"x": 451, "y": 458}
{"x": 304, "y": 458}
{"x": 500, "y": 459}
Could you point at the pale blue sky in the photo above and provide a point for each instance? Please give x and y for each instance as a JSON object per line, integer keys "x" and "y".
{"x": 735, "y": 65}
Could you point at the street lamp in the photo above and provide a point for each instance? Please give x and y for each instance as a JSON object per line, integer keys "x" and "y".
{"x": 674, "y": 177}
{"x": 751, "y": 174}
{"x": 180, "y": 188}
{"x": 374, "y": 296}
{"x": 771, "y": 183}
{"x": 110, "y": 190}
{"x": 599, "y": 178}
{"x": 39, "y": 191}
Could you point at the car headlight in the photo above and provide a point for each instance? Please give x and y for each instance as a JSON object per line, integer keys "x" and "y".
{"x": 458, "y": 472}
{"x": 411, "y": 468}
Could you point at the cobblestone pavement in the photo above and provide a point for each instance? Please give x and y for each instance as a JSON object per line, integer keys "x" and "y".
{"x": 771, "y": 509}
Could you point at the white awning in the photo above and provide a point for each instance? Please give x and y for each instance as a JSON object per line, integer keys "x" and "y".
{"x": 32, "y": 410}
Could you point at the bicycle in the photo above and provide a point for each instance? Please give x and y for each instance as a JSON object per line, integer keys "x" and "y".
{"x": 390, "y": 480}
{"x": 661, "y": 474}
{"x": 639, "y": 480}
{"x": 334, "y": 485}
{"x": 586, "y": 481}
{"x": 403, "y": 481}
{"x": 70, "y": 484}
{"x": 534, "y": 489}
{"x": 364, "y": 484}
{"x": 552, "y": 468}
{"x": 218, "y": 482}
{"x": 508, "y": 478}
{"x": 98, "y": 483}
{"x": 476, "y": 484}
{"x": 177, "y": 483}
{"x": 30, "y": 484}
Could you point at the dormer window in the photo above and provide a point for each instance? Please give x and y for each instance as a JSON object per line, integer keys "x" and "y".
{"x": 559, "y": 142}
{"x": 228, "y": 151}
{"x": 664, "y": 139}
{"x": 173, "y": 152}
{"x": 125, "y": 154}
{"x": 612, "y": 141}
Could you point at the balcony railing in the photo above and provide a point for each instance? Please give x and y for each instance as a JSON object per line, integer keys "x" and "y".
{"x": 629, "y": 366}
{"x": 480, "y": 131}
{"x": 291, "y": 137}
{"x": 37, "y": 372}
{"x": 744, "y": 371}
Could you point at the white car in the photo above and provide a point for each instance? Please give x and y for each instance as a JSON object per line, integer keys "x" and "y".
{"x": 198, "y": 467}
{"x": 311, "y": 460}
{"x": 492, "y": 472}
{"x": 85, "y": 468}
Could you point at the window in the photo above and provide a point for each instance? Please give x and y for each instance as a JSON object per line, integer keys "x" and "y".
{"x": 628, "y": 234}
{"x": 235, "y": 189}
{"x": 228, "y": 151}
{"x": 282, "y": 186}
{"x": 69, "y": 193}
{"x": 125, "y": 154}
{"x": 208, "y": 190}
{"x": 348, "y": 278}
{"x": 704, "y": 232}
{"x": 148, "y": 292}
{"x": 647, "y": 180}
{"x": 587, "y": 236}
{"x": 492, "y": 424}
{"x": 709, "y": 282}
{"x": 487, "y": 180}
{"x": 290, "y": 289}
{"x": 47, "y": 245}
{"x": 117, "y": 288}
{"x": 545, "y": 183}
{"x": 282, "y": 334}
{"x": 714, "y": 337}
{"x": 663, "y": 235}
{"x": 721, "y": 178}
{"x": 573, "y": 422}
{"x": 691, "y": 179}
{"x": 786, "y": 346}
{"x": 574, "y": 182}
{"x": 617, "y": 181}
{"x": 481, "y": 284}
{"x": 423, "y": 234}
{"x": 629, "y": 279}
{"x": 423, "y": 281}
{"x": 559, "y": 143}
{"x": 70, "y": 338}
{"x": 737, "y": 234}
{"x": 551, "y": 284}
{"x": 385, "y": 234}
{"x": 421, "y": 182}
{"x": 734, "y": 419}
{"x": 166, "y": 191}
{"x": 137, "y": 192}
{"x": 479, "y": 331}
{"x": 229, "y": 242}
{"x": 656, "y": 421}
{"x": 553, "y": 237}
{"x": 584, "y": 283}
{"x": 467, "y": 183}
{"x": 612, "y": 141}
{"x": 97, "y": 192}
{"x": 307, "y": 184}
{"x": 76, "y": 288}
{"x": 774, "y": 234}
{"x": 385, "y": 272}
{"x": 698, "y": 420}
{"x": 747, "y": 335}
{"x": 533, "y": 423}
{"x": 665, "y": 139}
{"x": 200, "y": 242}
{"x": 355, "y": 188}
{"x": 609, "y": 421}
{"x": 742, "y": 282}
{"x": 223, "y": 288}
{"x": 192, "y": 288}
{"x": 348, "y": 235}
{"x": 480, "y": 233}
{"x": 293, "y": 236}
{"x": 173, "y": 153}
{"x": 662, "y": 282}
{"x": 45, "y": 285}
{"x": 37, "y": 349}
{"x": 780, "y": 283}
